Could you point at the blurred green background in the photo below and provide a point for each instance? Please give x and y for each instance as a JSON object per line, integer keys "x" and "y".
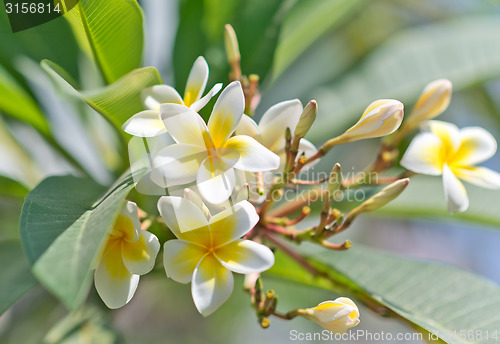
{"x": 343, "y": 53}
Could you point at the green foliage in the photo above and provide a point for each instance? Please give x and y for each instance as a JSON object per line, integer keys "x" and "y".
{"x": 65, "y": 267}
{"x": 466, "y": 51}
{"x": 416, "y": 291}
{"x": 12, "y": 188}
{"x": 15, "y": 275}
{"x": 116, "y": 102}
{"x": 113, "y": 41}
{"x": 18, "y": 103}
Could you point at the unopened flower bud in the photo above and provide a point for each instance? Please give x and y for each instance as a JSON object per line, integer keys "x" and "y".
{"x": 381, "y": 198}
{"x": 382, "y": 117}
{"x": 336, "y": 316}
{"x": 432, "y": 102}
{"x": 231, "y": 43}
{"x": 306, "y": 119}
{"x": 335, "y": 180}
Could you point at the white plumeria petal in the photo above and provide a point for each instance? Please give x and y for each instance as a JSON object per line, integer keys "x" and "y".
{"x": 139, "y": 256}
{"x": 183, "y": 217}
{"x": 477, "y": 145}
{"x": 177, "y": 164}
{"x": 245, "y": 256}
{"x": 211, "y": 286}
{"x": 449, "y": 135}
{"x": 196, "y": 199}
{"x": 114, "y": 283}
{"x": 200, "y": 103}
{"x": 196, "y": 82}
{"x": 227, "y": 113}
{"x": 127, "y": 224}
{"x": 232, "y": 223}
{"x": 308, "y": 149}
{"x": 153, "y": 97}
{"x": 480, "y": 176}
{"x": 275, "y": 121}
{"x": 424, "y": 155}
{"x": 252, "y": 156}
{"x": 145, "y": 124}
{"x": 454, "y": 191}
{"x": 184, "y": 125}
{"x": 247, "y": 126}
{"x": 215, "y": 180}
{"x": 180, "y": 258}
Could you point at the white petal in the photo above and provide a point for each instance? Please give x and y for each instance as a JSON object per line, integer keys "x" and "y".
{"x": 180, "y": 258}
{"x": 177, "y": 164}
{"x": 215, "y": 180}
{"x": 184, "y": 219}
{"x": 448, "y": 133}
{"x": 247, "y": 126}
{"x": 196, "y": 82}
{"x": 480, "y": 176}
{"x": 184, "y": 125}
{"x": 275, "y": 121}
{"x": 139, "y": 257}
{"x": 477, "y": 145}
{"x": 145, "y": 124}
{"x": 309, "y": 150}
{"x": 200, "y": 103}
{"x": 245, "y": 256}
{"x": 114, "y": 283}
{"x": 227, "y": 113}
{"x": 252, "y": 156}
{"x": 127, "y": 223}
{"x": 152, "y": 97}
{"x": 424, "y": 155}
{"x": 212, "y": 285}
{"x": 454, "y": 191}
{"x": 196, "y": 199}
{"x": 232, "y": 223}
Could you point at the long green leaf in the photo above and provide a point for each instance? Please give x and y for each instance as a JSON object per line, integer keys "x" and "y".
{"x": 116, "y": 102}
{"x": 305, "y": 23}
{"x": 15, "y": 275}
{"x": 440, "y": 299}
{"x": 466, "y": 51}
{"x": 111, "y": 33}
{"x": 17, "y": 103}
{"x": 65, "y": 267}
{"x": 12, "y": 188}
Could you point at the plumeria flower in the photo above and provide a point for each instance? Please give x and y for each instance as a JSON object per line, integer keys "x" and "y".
{"x": 129, "y": 252}
{"x": 208, "y": 154}
{"x": 445, "y": 150}
{"x": 207, "y": 251}
{"x": 271, "y": 128}
{"x": 336, "y": 316}
{"x": 148, "y": 123}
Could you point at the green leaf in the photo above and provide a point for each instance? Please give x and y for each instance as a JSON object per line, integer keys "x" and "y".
{"x": 307, "y": 22}
{"x": 12, "y": 188}
{"x": 440, "y": 299}
{"x": 17, "y": 103}
{"x": 15, "y": 275}
{"x": 111, "y": 32}
{"x": 53, "y": 206}
{"x": 116, "y": 102}
{"x": 65, "y": 267}
{"x": 424, "y": 198}
{"x": 465, "y": 50}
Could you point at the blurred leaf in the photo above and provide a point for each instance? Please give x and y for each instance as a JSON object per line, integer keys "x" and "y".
{"x": 466, "y": 51}
{"x": 17, "y": 103}
{"x": 65, "y": 268}
{"x": 424, "y": 198}
{"x": 116, "y": 102}
{"x": 11, "y": 187}
{"x": 305, "y": 23}
{"x": 111, "y": 33}
{"x": 15, "y": 275}
{"x": 84, "y": 326}
{"x": 53, "y": 206}
{"x": 440, "y": 299}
